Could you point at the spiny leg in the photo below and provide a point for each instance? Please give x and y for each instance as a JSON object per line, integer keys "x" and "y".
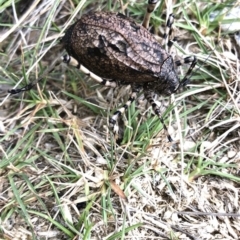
{"x": 73, "y": 62}
{"x": 156, "y": 109}
{"x": 193, "y": 61}
{"x": 113, "y": 120}
{"x": 150, "y": 8}
{"x": 168, "y": 33}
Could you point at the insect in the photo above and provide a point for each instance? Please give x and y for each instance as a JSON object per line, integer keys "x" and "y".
{"x": 114, "y": 50}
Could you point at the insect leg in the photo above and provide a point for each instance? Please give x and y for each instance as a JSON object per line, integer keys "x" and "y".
{"x": 193, "y": 61}
{"x": 150, "y": 8}
{"x": 156, "y": 109}
{"x": 120, "y": 111}
{"x": 168, "y": 33}
{"x": 73, "y": 62}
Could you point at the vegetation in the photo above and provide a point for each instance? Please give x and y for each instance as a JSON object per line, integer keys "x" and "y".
{"x": 62, "y": 174}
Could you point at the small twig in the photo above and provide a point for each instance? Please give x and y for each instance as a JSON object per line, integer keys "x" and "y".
{"x": 210, "y": 214}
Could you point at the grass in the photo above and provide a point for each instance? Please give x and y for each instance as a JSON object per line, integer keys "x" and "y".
{"x": 62, "y": 174}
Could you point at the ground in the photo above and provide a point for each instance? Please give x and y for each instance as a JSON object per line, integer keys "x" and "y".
{"x": 62, "y": 173}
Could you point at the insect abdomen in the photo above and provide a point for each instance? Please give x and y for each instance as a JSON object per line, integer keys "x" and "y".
{"x": 115, "y": 47}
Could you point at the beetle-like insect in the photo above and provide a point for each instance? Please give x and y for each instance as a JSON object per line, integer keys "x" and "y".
{"x": 114, "y": 50}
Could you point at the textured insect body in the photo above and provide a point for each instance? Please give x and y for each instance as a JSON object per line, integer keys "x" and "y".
{"x": 116, "y": 48}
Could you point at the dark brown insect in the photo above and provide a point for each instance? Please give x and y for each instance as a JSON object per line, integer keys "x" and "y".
{"x": 114, "y": 50}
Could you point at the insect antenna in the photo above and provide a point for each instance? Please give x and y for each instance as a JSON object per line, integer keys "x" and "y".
{"x": 193, "y": 69}
{"x": 33, "y": 83}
